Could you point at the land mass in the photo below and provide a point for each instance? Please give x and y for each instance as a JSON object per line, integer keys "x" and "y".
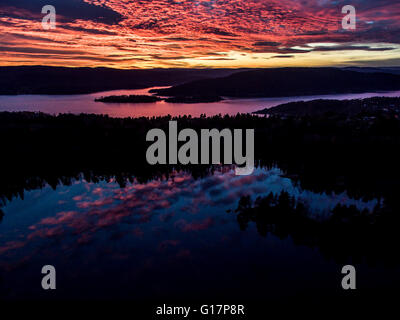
{"x": 198, "y": 82}
{"x": 283, "y": 82}
{"x": 128, "y": 99}
{"x": 370, "y": 106}
{"x": 62, "y": 80}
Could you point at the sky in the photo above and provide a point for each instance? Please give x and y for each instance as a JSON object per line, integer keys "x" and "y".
{"x": 199, "y": 34}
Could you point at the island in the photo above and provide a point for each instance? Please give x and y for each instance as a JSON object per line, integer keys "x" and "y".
{"x": 129, "y": 99}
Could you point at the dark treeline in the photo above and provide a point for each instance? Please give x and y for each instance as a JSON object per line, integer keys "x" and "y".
{"x": 330, "y": 153}
{"x": 128, "y": 99}
{"x": 363, "y": 108}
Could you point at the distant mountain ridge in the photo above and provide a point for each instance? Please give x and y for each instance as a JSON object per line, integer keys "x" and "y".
{"x": 198, "y": 82}
{"x": 62, "y": 80}
{"x": 393, "y": 70}
{"x": 281, "y": 82}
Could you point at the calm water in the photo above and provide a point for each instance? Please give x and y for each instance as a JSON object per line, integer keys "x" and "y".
{"x": 168, "y": 238}
{"x": 85, "y": 104}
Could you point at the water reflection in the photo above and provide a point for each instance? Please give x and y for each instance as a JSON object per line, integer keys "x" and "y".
{"x": 84, "y": 103}
{"x": 165, "y": 237}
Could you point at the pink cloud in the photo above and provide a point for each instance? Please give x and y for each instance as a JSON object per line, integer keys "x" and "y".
{"x": 165, "y": 33}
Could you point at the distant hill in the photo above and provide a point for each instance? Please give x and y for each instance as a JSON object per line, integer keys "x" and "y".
{"x": 393, "y": 70}
{"x": 282, "y": 82}
{"x": 198, "y": 82}
{"x": 60, "y": 80}
{"x": 369, "y": 106}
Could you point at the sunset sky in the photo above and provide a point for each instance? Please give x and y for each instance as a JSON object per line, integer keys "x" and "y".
{"x": 192, "y": 33}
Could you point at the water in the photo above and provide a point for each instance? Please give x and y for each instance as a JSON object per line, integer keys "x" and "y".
{"x": 169, "y": 238}
{"x": 85, "y": 104}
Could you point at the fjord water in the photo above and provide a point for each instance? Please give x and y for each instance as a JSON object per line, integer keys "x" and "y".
{"x": 55, "y": 104}
{"x": 168, "y": 238}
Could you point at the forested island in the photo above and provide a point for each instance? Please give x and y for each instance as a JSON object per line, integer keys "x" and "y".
{"x": 128, "y": 99}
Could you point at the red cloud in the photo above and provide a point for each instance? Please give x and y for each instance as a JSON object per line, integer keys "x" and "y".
{"x": 174, "y": 33}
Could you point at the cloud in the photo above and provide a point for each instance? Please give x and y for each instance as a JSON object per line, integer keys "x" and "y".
{"x": 161, "y": 33}
{"x": 282, "y": 56}
{"x": 69, "y": 10}
{"x": 267, "y": 44}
